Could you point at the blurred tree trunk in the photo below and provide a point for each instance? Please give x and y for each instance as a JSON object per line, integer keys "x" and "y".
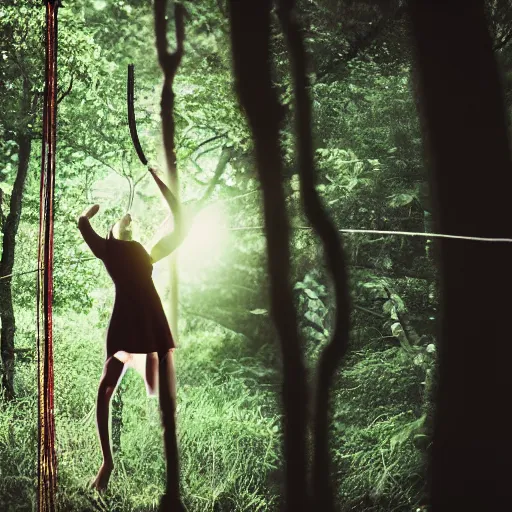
{"x": 250, "y": 46}
{"x": 471, "y": 178}
{"x": 9, "y": 231}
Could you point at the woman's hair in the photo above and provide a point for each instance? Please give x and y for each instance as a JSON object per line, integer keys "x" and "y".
{"x": 125, "y": 233}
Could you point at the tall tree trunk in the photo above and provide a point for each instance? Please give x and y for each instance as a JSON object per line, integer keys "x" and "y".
{"x": 250, "y": 45}
{"x": 471, "y": 177}
{"x": 9, "y": 231}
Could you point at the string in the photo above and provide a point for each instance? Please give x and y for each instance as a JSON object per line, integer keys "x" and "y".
{"x": 306, "y": 228}
{"x": 397, "y": 233}
{"x": 131, "y": 115}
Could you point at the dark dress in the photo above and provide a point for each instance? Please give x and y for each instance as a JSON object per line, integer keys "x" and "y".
{"x": 138, "y": 324}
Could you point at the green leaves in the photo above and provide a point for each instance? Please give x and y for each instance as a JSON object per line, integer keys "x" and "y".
{"x": 310, "y": 293}
{"x": 259, "y": 312}
{"x": 398, "y": 200}
{"x": 312, "y": 309}
{"x": 406, "y": 432}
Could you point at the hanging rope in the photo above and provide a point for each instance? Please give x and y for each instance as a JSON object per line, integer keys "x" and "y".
{"x": 130, "y": 94}
{"x": 47, "y": 462}
{"x": 131, "y": 115}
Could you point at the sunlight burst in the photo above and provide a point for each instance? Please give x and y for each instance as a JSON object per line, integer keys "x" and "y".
{"x": 206, "y": 241}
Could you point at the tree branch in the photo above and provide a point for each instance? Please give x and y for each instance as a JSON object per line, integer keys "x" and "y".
{"x": 395, "y": 274}
{"x": 250, "y": 44}
{"x": 364, "y": 42}
{"x": 413, "y": 339}
{"x": 234, "y": 198}
{"x": 66, "y": 92}
{"x": 142, "y": 176}
{"x": 207, "y": 141}
{"x": 216, "y": 320}
{"x": 369, "y": 311}
{"x": 225, "y": 156}
{"x": 99, "y": 160}
{"x": 200, "y": 169}
{"x": 209, "y": 150}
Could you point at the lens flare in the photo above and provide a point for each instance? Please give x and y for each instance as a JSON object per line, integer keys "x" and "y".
{"x": 205, "y": 242}
{"x": 204, "y": 247}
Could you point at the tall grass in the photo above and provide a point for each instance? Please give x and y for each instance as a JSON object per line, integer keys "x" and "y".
{"x": 227, "y": 429}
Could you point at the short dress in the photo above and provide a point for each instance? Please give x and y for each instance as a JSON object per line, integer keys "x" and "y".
{"x": 138, "y": 324}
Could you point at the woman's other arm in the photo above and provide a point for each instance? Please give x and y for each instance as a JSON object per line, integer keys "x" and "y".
{"x": 96, "y": 243}
{"x": 170, "y": 198}
{"x": 167, "y": 244}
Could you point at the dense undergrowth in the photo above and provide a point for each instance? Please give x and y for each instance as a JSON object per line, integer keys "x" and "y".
{"x": 229, "y": 429}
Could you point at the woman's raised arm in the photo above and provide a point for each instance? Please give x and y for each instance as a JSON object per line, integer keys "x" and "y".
{"x": 168, "y": 243}
{"x": 173, "y": 203}
{"x": 96, "y": 243}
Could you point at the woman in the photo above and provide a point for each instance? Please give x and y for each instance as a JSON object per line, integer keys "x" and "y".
{"x": 138, "y": 333}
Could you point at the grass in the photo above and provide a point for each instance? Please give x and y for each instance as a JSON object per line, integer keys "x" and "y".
{"x": 229, "y": 428}
{"x": 228, "y": 436}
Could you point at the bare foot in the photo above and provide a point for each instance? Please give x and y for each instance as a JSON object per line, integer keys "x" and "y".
{"x": 103, "y": 476}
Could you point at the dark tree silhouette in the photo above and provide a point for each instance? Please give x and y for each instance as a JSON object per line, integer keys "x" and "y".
{"x": 333, "y": 353}
{"x": 250, "y": 31}
{"x": 169, "y": 62}
{"x": 471, "y": 178}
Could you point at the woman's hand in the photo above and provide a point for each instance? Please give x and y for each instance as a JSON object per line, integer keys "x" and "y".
{"x": 91, "y": 211}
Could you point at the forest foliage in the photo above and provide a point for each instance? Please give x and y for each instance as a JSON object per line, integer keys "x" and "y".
{"x": 371, "y": 174}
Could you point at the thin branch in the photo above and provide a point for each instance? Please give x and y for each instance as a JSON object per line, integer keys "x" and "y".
{"x": 200, "y": 169}
{"x": 2, "y": 217}
{"x": 394, "y": 273}
{"x": 213, "y": 319}
{"x": 207, "y": 141}
{"x": 235, "y": 198}
{"x": 140, "y": 178}
{"x": 13, "y": 274}
{"x": 98, "y": 159}
{"x": 369, "y": 311}
{"x": 131, "y": 192}
{"x": 225, "y": 156}
{"x": 66, "y": 262}
{"x": 66, "y": 92}
{"x": 209, "y": 150}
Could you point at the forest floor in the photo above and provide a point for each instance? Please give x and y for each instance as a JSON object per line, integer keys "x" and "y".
{"x": 229, "y": 428}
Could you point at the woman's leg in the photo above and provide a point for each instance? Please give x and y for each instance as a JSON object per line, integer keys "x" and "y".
{"x": 151, "y": 369}
{"x": 112, "y": 373}
{"x": 167, "y": 394}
